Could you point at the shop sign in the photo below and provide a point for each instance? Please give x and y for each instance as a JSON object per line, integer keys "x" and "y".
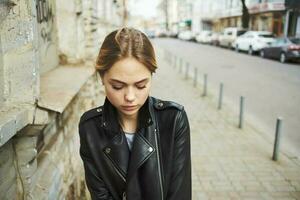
{"x": 264, "y": 7}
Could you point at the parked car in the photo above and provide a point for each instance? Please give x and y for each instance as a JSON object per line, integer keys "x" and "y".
{"x": 174, "y": 34}
{"x": 161, "y": 33}
{"x": 284, "y": 49}
{"x": 204, "y": 37}
{"x": 214, "y": 38}
{"x": 186, "y": 35}
{"x": 253, "y": 41}
{"x": 229, "y": 35}
{"x": 150, "y": 33}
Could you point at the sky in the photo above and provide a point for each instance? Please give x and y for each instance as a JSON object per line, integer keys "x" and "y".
{"x": 145, "y": 8}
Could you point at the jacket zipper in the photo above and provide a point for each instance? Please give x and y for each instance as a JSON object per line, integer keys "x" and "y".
{"x": 123, "y": 178}
{"x": 120, "y": 174}
{"x": 116, "y": 169}
{"x": 159, "y": 169}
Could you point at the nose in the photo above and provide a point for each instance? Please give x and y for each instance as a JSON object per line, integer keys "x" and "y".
{"x": 130, "y": 95}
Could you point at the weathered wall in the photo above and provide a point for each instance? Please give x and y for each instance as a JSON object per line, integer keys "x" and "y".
{"x": 47, "y": 34}
{"x": 43, "y": 160}
{"x": 1, "y": 74}
{"x": 19, "y": 50}
{"x": 70, "y": 31}
{"x": 39, "y": 143}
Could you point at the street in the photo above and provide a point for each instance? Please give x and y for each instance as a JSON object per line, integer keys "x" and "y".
{"x": 51, "y": 55}
{"x": 270, "y": 88}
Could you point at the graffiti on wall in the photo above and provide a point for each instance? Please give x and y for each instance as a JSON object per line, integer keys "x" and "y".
{"x": 45, "y": 19}
{"x": 44, "y": 11}
{"x": 45, "y": 15}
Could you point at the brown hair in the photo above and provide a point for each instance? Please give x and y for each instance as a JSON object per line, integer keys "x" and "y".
{"x": 123, "y": 43}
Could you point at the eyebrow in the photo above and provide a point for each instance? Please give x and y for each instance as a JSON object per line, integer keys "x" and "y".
{"x": 116, "y": 80}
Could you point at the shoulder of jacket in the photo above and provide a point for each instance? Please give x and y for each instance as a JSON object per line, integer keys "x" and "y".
{"x": 94, "y": 112}
{"x": 162, "y": 105}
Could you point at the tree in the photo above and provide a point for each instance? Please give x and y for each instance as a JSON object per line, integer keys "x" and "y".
{"x": 245, "y": 15}
{"x": 125, "y": 13}
{"x": 165, "y": 8}
{"x": 292, "y": 4}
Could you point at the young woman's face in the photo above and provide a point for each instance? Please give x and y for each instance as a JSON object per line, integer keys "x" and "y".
{"x": 127, "y": 85}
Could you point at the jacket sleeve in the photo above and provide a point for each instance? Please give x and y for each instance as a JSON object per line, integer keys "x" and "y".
{"x": 180, "y": 184}
{"x": 94, "y": 182}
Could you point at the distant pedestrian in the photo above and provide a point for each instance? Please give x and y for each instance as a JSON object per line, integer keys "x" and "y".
{"x": 134, "y": 146}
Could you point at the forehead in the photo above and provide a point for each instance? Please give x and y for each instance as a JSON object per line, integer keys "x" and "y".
{"x": 128, "y": 70}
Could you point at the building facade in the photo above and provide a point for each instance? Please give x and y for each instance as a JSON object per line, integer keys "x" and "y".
{"x": 176, "y": 13}
{"x": 292, "y": 27}
{"x": 265, "y": 15}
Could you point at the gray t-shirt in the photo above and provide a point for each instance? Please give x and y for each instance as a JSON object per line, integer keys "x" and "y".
{"x": 130, "y": 138}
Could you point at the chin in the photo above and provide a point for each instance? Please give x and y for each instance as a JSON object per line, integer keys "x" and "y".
{"x": 130, "y": 113}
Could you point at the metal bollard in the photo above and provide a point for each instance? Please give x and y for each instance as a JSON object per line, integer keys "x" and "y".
{"x": 277, "y": 137}
{"x": 187, "y": 68}
{"x": 205, "y": 86}
{"x": 180, "y": 65}
{"x": 220, "y": 96}
{"x": 195, "y": 76}
{"x": 174, "y": 61}
{"x": 241, "y": 120}
{"x": 166, "y": 55}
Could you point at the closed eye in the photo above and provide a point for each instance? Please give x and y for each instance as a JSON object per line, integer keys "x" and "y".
{"x": 117, "y": 87}
{"x": 141, "y": 87}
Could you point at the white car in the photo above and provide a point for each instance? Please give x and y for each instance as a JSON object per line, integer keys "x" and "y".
{"x": 204, "y": 37}
{"x": 186, "y": 35}
{"x": 253, "y": 41}
{"x": 229, "y": 35}
{"x": 214, "y": 38}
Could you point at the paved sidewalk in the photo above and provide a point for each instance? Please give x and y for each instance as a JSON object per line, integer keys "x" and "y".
{"x": 227, "y": 162}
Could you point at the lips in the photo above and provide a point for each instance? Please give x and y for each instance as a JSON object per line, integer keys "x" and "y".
{"x": 129, "y": 108}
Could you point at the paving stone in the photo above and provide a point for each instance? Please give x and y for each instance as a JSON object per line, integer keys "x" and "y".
{"x": 228, "y": 162}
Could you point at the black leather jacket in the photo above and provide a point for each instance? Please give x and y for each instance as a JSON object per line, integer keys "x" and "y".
{"x": 159, "y": 165}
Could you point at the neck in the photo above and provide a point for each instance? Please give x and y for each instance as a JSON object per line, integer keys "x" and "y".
{"x": 128, "y": 123}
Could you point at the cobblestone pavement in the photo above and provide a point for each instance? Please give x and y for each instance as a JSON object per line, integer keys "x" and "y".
{"x": 227, "y": 162}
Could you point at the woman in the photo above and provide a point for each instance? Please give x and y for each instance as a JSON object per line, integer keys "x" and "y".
{"x": 135, "y": 146}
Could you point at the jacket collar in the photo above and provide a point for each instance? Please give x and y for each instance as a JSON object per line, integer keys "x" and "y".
{"x": 117, "y": 149}
{"x": 110, "y": 116}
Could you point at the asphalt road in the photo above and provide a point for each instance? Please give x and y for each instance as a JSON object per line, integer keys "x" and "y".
{"x": 271, "y": 89}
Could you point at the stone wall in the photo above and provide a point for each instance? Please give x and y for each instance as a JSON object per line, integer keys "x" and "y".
{"x": 42, "y": 161}
{"x": 19, "y": 52}
{"x": 39, "y": 141}
{"x": 46, "y": 18}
